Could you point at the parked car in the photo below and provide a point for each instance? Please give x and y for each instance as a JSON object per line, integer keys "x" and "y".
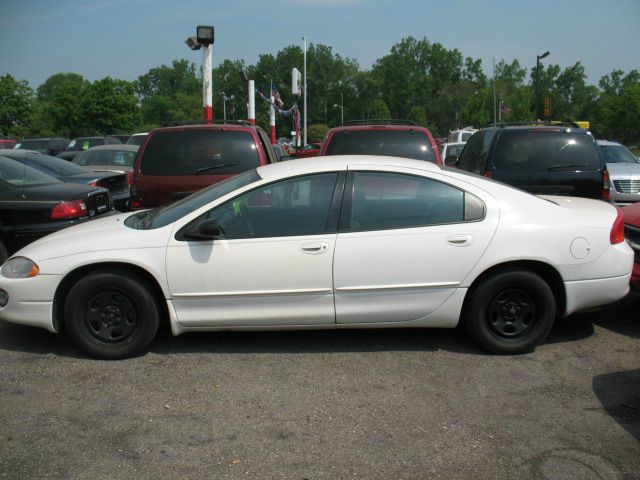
{"x": 34, "y": 204}
{"x": 137, "y": 138}
{"x": 48, "y": 146}
{"x": 111, "y": 158}
{"x": 7, "y": 143}
{"x": 396, "y": 138}
{"x": 450, "y": 152}
{"x": 80, "y": 144}
{"x": 632, "y": 234}
{"x": 124, "y": 138}
{"x": 115, "y": 182}
{"x": 309, "y": 150}
{"x": 541, "y": 159}
{"x": 345, "y": 242}
{"x": 282, "y": 152}
{"x": 624, "y": 172}
{"x": 177, "y": 160}
{"x": 461, "y": 135}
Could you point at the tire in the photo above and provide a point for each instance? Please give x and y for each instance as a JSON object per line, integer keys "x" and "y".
{"x": 510, "y": 312}
{"x": 111, "y": 314}
{"x": 3, "y": 253}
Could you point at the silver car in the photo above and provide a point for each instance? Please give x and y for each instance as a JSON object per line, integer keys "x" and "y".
{"x": 624, "y": 172}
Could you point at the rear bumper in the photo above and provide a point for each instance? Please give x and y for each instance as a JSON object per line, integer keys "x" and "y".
{"x": 584, "y": 294}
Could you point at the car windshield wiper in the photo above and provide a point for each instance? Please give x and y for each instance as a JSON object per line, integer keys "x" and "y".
{"x": 213, "y": 167}
{"x": 568, "y": 165}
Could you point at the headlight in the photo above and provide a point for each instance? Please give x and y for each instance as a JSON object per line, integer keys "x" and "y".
{"x": 19, "y": 267}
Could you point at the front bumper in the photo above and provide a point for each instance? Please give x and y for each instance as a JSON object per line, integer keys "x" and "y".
{"x": 30, "y": 301}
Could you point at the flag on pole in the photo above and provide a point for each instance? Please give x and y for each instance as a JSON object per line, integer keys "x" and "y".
{"x": 276, "y": 95}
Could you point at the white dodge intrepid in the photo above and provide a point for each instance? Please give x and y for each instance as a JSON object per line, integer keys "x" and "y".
{"x": 335, "y": 242}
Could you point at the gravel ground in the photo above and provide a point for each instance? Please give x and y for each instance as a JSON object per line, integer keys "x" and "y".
{"x": 376, "y": 404}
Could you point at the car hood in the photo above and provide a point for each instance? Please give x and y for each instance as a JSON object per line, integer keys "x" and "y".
{"x": 101, "y": 234}
{"x": 624, "y": 170}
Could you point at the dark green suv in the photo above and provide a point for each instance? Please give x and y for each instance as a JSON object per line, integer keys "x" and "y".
{"x": 552, "y": 160}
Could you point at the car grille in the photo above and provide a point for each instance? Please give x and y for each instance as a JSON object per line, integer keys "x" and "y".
{"x": 627, "y": 186}
{"x": 632, "y": 234}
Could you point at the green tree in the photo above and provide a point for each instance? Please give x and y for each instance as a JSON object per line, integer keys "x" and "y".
{"x": 379, "y": 110}
{"x": 60, "y": 100}
{"x": 316, "y": 132}
{"x": 15, "y": 101}
{"x": 110, "y": 106}
{"x": 618, "y": 110}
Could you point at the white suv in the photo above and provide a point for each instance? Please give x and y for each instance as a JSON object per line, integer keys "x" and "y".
{"x": 461, "y": 135}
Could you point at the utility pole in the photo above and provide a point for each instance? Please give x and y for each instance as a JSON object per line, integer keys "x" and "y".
{"x": 304, "y": 117}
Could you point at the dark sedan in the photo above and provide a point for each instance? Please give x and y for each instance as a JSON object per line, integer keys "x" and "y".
{"x": 116, "y": 182}
{"x": 34, "y": 204}
{"x": 81, "y": 144}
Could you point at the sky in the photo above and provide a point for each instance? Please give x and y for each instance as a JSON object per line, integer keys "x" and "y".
{"x": 125, "y": 38}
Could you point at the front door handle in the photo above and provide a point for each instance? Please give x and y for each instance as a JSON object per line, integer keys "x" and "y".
{"x": 314, "y": 248}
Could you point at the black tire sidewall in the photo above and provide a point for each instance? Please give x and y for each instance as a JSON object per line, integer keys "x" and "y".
{"x": 131, "y": 286}
{"x": 476, "y": 312}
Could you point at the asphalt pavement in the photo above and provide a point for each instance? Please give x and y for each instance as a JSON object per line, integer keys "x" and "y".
{"x": 374, "y": 404}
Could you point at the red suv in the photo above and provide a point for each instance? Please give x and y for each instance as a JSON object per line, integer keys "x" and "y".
{"x": 395, "y": 138}
{"x": 6, "y": 143}
{"x": 177, "y": 160}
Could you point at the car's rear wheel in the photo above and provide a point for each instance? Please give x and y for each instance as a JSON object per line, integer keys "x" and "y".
{"x": 110, "y": 314}
{"x": 510, "y": 312}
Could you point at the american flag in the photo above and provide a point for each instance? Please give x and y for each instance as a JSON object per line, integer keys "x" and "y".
{"x": 276, "y": 95}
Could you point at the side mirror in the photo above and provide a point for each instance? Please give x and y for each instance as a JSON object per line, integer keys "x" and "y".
{"x": 205, "y": 230}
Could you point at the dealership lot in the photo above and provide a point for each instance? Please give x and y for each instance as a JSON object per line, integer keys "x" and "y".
{"x": 348, "y": 404}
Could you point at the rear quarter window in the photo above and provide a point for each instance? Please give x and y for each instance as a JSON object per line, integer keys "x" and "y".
{"x": 199, "y": 152}
{"x": 545, "y": 150}
{"x": 475, "y": 153}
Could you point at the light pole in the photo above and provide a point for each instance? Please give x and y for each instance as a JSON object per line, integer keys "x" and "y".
{"x": 224, "y": 103}
{"x": 341, "y": 107}
{"x": 304, "y": 92}
{"x": 538, "y": 57}
{"x": 204, "y": 38}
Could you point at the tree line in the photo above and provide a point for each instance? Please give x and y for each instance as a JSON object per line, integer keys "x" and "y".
{"x": 417, "y": 80}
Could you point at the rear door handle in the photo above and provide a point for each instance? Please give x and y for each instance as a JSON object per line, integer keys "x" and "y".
{"x": 460, "y": 240}
{"x": 314, "y": 248}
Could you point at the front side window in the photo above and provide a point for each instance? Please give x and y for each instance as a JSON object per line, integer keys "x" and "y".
{"x": 474, "y": 155}
{"x": 387, "y": 200}
{"x": 199, "y": 152}
{"x": 296, "y": 206}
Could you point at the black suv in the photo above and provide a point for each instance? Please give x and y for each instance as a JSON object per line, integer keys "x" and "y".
{"x": 552, "y": 160}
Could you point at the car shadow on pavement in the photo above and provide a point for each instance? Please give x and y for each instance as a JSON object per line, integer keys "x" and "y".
{"x": 619, "y": 317}
{"x": 619, "y": 393}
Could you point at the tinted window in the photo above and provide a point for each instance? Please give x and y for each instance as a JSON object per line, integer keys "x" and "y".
{"x": 79, "y": 144}
{"x": 106, "y": 157}
{"x": 199, "y": 152}
{"x": 296, "y": 206}
{"x": 398, "y": 143}
{"x": 476, "y": 152}
{"x": 617, "y": 154}
{"x": 545, "y": 150}
{"x": 385, "y": 200}
{"x": 41, "y": 146}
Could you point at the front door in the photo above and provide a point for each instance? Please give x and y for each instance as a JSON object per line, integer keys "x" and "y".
{"x": 272, "y": 264}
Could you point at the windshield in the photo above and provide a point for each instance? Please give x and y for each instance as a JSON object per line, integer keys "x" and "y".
{"x": 163, "y": 216}
{"x": 397, "y": 143}
{"x": 41, "y": 146}
{"x": 106, "y": 157}
{"x": 617, "y": 154}
{"x": 18, "y": 174}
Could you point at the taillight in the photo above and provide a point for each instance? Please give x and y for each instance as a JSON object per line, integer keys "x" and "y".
{"x": 487, "y": 173}
{"x": 606, "y": 185}
{"x": 130, "y": 178}
{"x": 70, "y": 209}
{"x": 617, "y": 229}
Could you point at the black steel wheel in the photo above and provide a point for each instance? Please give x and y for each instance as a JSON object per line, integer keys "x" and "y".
{"x": 510, "y": 312}
{"x": 111, "y": 314}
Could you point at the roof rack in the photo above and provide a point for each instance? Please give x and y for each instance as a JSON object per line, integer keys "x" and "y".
{"x": 542, "y": 123}
{"x": 377, "y": 121}
{"x": 178, "y": 123}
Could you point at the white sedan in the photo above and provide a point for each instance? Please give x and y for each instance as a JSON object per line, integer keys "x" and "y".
{"x": 336, "y": 242}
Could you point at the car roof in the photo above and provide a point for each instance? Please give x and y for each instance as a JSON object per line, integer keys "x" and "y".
{"x": 379, "y": 126}
{"x": 302, "y": 166}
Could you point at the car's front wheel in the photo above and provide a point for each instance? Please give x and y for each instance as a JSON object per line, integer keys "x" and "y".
{"x": 510, "y": 312}
{"x": 111, "y": 314}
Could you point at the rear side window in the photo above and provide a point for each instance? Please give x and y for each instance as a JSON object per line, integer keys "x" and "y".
{"x": 199, "y": 152}
{"x": 545, "y": 151}
{"x": 397, "y": 143}
{"x": 476, "y": 152}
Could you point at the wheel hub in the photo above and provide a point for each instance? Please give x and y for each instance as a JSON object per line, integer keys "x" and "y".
{"x": 512, "y": 313}
{"x": 110, "y": 316}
